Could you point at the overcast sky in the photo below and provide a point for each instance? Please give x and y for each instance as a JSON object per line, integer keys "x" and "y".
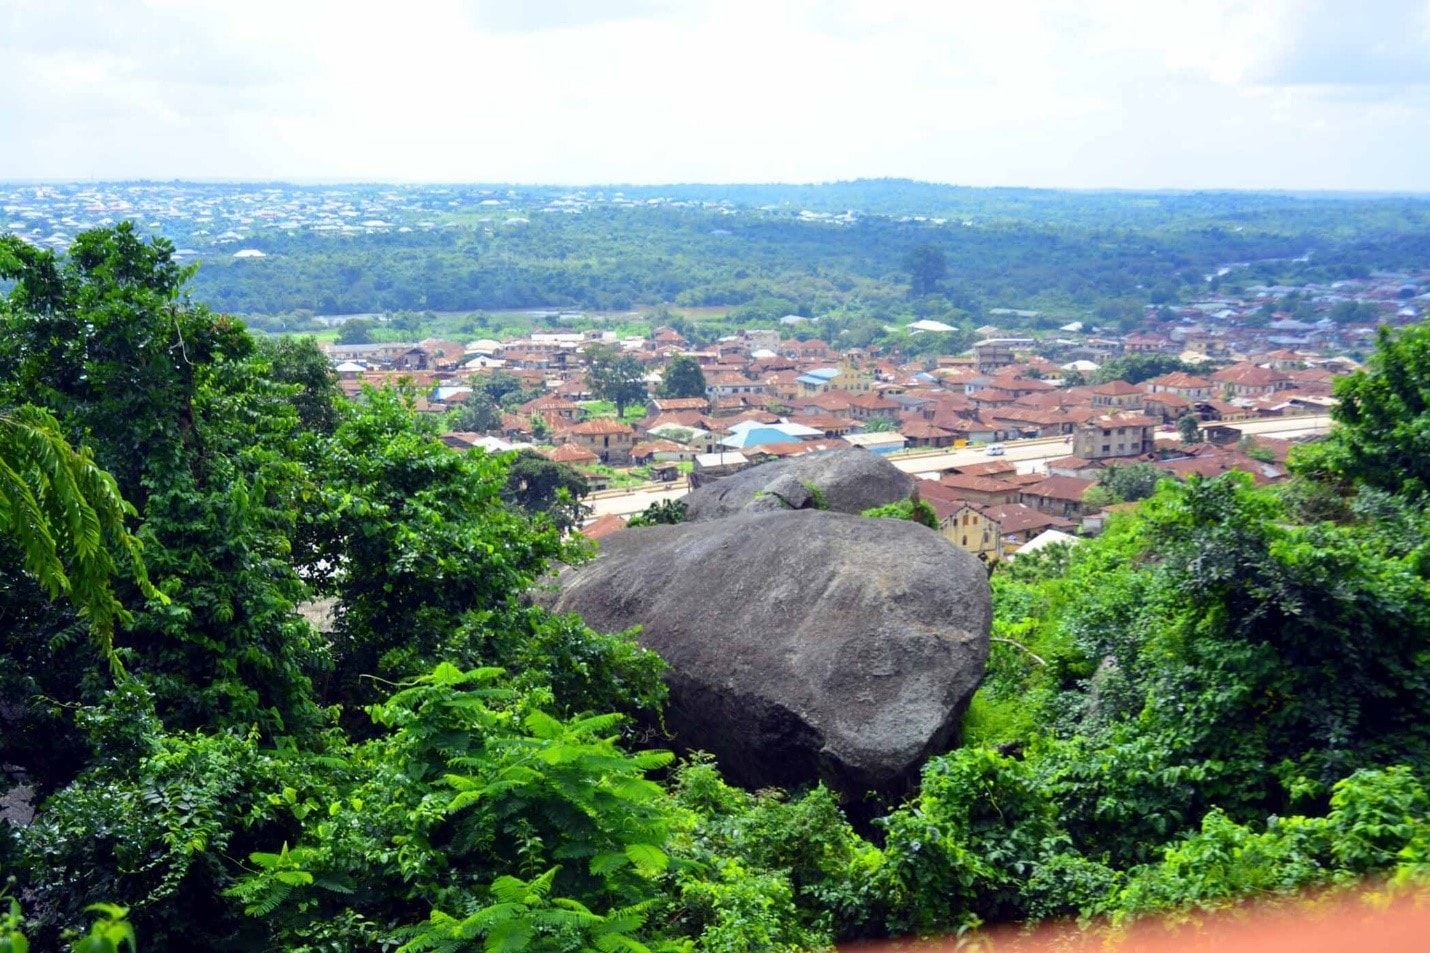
{"x": 1299, "y": 94}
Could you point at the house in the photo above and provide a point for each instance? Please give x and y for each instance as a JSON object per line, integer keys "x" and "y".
{"x": 1115, "y": 435}
{"x": 1168, "y": 406}
{"x": 921, "y": 433}
{"x": 872, "y": 407}
{"x": 1048, "y": 537}
{"x": 1075, "y": 467}
{"x": 721, "y": 385}
{"x": 572, "y": 455}
{"x": 1186, "y": 385}
{"x": 1250, "y": 380}
{"x": 815, "y": 382}
{"x": 965, "y": 526}
{"x": 832, "y": 424}
{"x": 603, "y": 526}
{"x": 1017, "y": 523}
{"x": 993, "y": 353}
{"x": 661, "y": 451}
{"x": 1057, "y": 496}
{"x": 551, "y": 405}
{"x": 610, "y": 440}
{"x": 710, "y": 466}
{"x": 1117, "y": 395}
{"x": 979, "y": 489}
{"x": 663, "y": 405}
{"x": 879, "y": 442}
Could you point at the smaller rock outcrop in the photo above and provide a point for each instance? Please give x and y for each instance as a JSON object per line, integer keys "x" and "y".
{"x": 842, "y": 481}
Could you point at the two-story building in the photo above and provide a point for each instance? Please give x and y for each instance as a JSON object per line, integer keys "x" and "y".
{"x": 608, "y": 439}
{"x": 1115, "y": 435}
{"x": 1117, "y": 395}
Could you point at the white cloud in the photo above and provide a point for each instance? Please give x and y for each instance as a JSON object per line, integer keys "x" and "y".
{"x": 1119, "y": 93}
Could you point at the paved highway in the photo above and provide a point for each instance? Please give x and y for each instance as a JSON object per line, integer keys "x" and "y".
{"x": 1029, "y": 455}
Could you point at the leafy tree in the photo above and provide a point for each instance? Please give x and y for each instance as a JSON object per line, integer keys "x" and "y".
{"x": 1189, "y": 429}
{"x": 615, "y": 376}
{"x": 1098, "y": 496}
{"x": 1136, "y": 368}
{"x": 683, "y": 378}
{"x": 505, "y": 390}
{"x": 174, "y": 403}
{"x": 355, "y": 331}
{"x": 476, "y": 413}
{"x": 298, "y": 362}
{"x": 1130, "y": 482}
{"x": 410, "y": 536}
{"x": 926, "y": 265}
{"x": 537, "y": 486}
{"x": 1383, "y": 435}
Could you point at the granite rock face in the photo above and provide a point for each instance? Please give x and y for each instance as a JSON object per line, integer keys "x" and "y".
{"x": 802, "y": 644}
{"x": 848, "y": 481}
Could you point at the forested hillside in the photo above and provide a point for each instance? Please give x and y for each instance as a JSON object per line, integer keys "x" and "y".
{"x": 837, "y": 248}
{"x": 1221, "y": 697}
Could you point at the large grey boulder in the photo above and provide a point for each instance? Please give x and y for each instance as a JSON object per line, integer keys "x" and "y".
{"x": 850, "y": 481}
{"x": 802, "y": 644}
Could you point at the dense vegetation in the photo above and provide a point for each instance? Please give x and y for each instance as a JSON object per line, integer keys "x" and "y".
{"x": 1221, "y": 697}
{"x": 912, "y": 250}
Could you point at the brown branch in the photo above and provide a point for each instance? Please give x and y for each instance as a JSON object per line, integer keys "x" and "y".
{"x": 1020, "y": 645}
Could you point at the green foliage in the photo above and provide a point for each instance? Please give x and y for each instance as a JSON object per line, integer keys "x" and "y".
{"x": 67, "y": 517}
{"x": 1377, "y": 822}
{"x": 477, "y": 413}
{"x": 660, "y": 513}
{"x": 1136, "y": 368}
{"x": 766, "y": 871}
{"x": 1130, "y": 482}
{"x": 1383, "y": 437}
{"x": 960, "y": 853}
{"x": 415, "y": 542}
{"x": 297, "y": 362}
{"x": 917, "y": 510}
{"x": 927, "y": 265}
{"x": 1219, "y": 697}
{"x": 473, "y": 811}
{"x": 817, "y": 496}
{"x": 616, "y": 376}
{"x": 174, "y": 403}
{"x": 355, "y": 331}
{"x": 540, "y": 487}
{"x": 683, "y": 378}
{"x": 109, "y": 933}
{"x": 1189, "y": 429}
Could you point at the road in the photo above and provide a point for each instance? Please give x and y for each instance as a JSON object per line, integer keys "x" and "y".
{"x": 1029, "y": 455}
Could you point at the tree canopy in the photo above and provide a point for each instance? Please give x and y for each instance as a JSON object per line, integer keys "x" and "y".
{"x": 683, "y": 378}
{"x": 617, "y": 376}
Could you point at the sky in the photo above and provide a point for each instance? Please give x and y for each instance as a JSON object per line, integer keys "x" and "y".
{"x": 1134, "y": 94}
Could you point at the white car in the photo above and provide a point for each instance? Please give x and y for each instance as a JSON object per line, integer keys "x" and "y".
{"x": 995, "y": 450}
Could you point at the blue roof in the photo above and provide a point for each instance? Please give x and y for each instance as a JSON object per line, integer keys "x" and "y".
{"x": 757, "y": 436}
{"x": 825, "y": 373}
